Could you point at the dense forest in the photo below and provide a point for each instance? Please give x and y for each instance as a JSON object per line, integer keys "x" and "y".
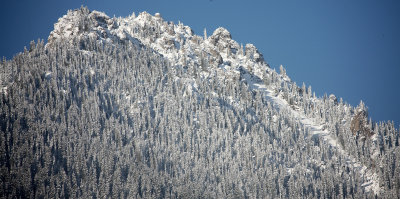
{"x": 95, "y": 118}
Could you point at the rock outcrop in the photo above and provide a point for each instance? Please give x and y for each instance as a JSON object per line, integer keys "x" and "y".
{"x": 359, "y": 123}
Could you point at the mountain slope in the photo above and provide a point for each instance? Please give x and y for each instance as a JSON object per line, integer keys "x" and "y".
{"x": 141, "y": 107}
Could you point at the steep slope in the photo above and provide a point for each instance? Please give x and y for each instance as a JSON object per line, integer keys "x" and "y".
{"x": 316, "y": 128}
{"x": 141, "y": 107}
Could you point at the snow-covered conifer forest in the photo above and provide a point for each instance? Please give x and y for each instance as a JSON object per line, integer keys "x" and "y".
{"x": 140, "y": 107}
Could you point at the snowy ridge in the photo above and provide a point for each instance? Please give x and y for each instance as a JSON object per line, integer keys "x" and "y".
{"x": 176, "y": 42}
{"x": 181, "y": 46}
{"x": 317, "y": 128}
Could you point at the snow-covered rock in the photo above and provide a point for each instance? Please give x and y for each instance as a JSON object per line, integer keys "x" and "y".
{"x": 222, "y": 39}
{"x": 220, "y": 34}
{"x": 253, "y": 54}
{"x": 82, "y": 23}
{"x": 173, "y": 41}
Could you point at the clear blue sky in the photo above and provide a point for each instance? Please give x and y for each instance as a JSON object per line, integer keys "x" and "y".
{"x": 349, "y": 48}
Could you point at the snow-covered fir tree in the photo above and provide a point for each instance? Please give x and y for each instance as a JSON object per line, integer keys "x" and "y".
{"x": 139, "y": 107}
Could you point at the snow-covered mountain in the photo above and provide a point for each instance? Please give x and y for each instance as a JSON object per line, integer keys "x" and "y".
{"x": 177, "y": 43}
{"x": 143, "y": 107}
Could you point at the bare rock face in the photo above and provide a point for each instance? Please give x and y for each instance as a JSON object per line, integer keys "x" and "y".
{"x": 359, "y": 123}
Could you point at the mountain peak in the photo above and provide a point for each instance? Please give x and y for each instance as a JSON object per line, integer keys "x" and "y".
{"x": 173, "y": 41}
{"x": 82, "y": 22}
{"x": 221, "y": 33}
{"x": 145, "y": 16}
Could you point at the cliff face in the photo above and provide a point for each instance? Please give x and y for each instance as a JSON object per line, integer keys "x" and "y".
{"x": 359, "y": 124}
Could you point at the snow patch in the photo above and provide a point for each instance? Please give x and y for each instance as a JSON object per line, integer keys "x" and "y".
{"x": 4, "y": 90}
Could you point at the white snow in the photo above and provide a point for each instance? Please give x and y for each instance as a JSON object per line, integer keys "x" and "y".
{"x": 4, "y": 90}
{"x": 177, "y": 41}
{"x": 317, "y": 128}
{"x": 48, "y": 74}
